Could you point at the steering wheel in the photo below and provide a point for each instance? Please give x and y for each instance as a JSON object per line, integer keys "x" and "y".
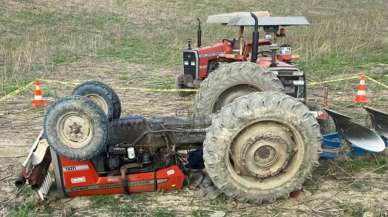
{"x": 231, "y": 42}
{"x": 265, "y": 53}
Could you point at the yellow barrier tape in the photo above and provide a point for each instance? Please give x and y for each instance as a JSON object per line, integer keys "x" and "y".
{"x": 22, "y": 88}
{"x": 129, "y": 88}
{"x": 16, "y": 92}
{"x": 157, "y": 89}
{"x": 58, "y": 82}
{"x": 377, "y": 82}
{"x": 331, "y": 81}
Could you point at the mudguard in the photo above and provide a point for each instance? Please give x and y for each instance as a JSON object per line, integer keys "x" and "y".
{"x": 36, "y": 163}
{"x": 35, "y": 167}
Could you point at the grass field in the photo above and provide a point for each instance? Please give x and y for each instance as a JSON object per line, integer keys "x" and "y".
{"x": 138, "y": 43}
{"x": 37, "y": 35}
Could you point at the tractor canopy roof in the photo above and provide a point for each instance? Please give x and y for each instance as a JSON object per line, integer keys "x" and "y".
{"x": 264, "y": 19}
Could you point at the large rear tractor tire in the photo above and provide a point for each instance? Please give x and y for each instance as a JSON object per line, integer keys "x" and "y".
{"x": 104, "y": 96}
{"x": 230, "y": 81}
{"x": 76, "y": 127}
{"x": 262, "y": 147}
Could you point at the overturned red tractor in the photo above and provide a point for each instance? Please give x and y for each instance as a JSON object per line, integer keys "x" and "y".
{"x": 259, "y": 148}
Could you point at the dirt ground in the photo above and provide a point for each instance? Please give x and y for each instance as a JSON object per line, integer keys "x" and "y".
{"x": 332, "y": 191}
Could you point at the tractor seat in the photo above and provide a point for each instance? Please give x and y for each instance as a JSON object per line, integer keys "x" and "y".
{"x": 237, "y": 45}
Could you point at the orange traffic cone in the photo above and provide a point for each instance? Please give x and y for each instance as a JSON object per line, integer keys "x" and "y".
{"x": 38, "y": 96}
{"x": 361, "y": 91}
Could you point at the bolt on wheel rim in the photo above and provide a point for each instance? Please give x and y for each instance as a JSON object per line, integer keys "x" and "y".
{"x": 74, "y": 130}
{"x": 100, "y": 101}
{"x": 265, "y": 154}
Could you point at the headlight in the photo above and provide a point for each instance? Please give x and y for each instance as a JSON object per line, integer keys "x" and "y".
{"x": 186, "y": 63}
{"x": 285, "y": 50}
{"x": 193, "y": 63}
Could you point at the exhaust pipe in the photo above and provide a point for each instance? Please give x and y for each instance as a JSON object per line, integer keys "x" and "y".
{"x": 199, "y": 33}
{"x": 356, "y": 134}
{"x": 255, "y": 38}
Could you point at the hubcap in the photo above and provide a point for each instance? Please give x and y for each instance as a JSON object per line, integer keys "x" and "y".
{"x": 74, "y": 129}
{"x": 264, "y": 154}
{"x": 100, "y": 101}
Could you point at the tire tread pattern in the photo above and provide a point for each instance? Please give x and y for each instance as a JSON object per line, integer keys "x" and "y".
{"x": 113, "y": 100}
{"x": 228, "y": 75}
{"x": 99, "y": 123}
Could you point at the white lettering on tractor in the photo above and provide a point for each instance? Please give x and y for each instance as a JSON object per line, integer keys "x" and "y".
{"x": 76, "y": 168}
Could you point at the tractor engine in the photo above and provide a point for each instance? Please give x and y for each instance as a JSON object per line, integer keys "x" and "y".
{"x": 151, "y": 143}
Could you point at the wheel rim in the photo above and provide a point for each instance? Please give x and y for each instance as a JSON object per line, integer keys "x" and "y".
{"x": 100, "y": 101}
{"x": 265, "y": 154}
{"x": 74, "y": 129}
{"x": 231, "y": 94}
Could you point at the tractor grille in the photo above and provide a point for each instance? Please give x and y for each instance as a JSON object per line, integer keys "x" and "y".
{"x": 293, "y": 81}
{"x": 45, "y": 187}
{"x": 190, "y": 63}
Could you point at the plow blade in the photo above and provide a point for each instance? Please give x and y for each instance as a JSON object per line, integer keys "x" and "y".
{"x": 379, "y": 121}
{"x": 356, "y": 134}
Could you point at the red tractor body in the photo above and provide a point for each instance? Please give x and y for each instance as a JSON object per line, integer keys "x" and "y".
{"x": 80, "y": 178}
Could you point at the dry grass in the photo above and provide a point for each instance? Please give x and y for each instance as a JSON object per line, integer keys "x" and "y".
{"x": 44, "y": 38}
{"x": 39, "y": 35}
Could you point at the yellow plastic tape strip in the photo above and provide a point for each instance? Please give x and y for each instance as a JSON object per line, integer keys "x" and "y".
{"x": 332, "y": 81}
{"x": 129, "y": 88}
{"x": 377, "y": 82}
{"x": 58, "y": 82}
{"x": 17, "y": 91}
{"x": 22, "y": 88}
{"x": 157, "y": 89}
